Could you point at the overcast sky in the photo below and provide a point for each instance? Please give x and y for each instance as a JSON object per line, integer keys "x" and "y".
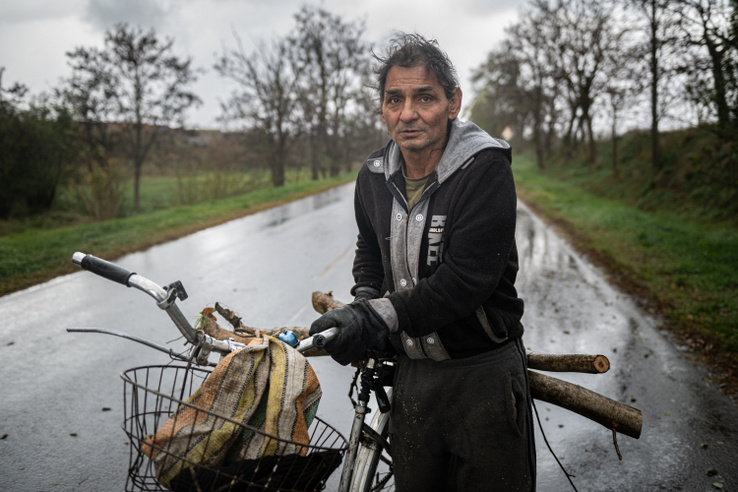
{"x": 36, "y": 34}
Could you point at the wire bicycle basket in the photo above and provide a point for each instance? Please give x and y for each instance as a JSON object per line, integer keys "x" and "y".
{"x": 155, "y": 403}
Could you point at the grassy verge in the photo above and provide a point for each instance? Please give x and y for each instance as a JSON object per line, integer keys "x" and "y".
{"x": 685, "y": 270}
{"x": 39, "y": 254}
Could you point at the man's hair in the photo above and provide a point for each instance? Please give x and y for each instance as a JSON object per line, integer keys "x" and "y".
{"x": 412, "y": 50}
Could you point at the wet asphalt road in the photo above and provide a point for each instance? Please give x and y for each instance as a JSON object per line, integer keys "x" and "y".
{"x": 61, "y": 394}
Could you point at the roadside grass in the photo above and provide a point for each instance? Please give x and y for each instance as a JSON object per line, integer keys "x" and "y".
{"x": 40, "y": 250}
{"x": 685, "y": 269}
{"x": 159, "y": 192}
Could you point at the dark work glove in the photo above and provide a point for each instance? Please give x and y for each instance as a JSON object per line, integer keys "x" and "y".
{"x": 361, "y": 329}
{"x": 366, "y": 294}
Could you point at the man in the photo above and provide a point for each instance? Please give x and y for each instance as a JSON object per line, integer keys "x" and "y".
{"x": 435, "y": 268}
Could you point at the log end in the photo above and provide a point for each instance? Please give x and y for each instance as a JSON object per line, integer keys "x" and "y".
{"x": 601, "y": 364}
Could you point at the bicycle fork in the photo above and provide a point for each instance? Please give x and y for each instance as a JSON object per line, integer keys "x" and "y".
{"x": 360, "y": 411}
{"x": 361, "y": 408}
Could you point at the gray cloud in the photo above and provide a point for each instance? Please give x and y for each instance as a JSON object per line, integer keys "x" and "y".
{"x": 16, "y": 12}
{"x": 146, "y": 13}
{"x": 491, "y": 6}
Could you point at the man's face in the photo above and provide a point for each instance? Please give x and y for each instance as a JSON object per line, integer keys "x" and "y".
{"x": 416, "y": 110}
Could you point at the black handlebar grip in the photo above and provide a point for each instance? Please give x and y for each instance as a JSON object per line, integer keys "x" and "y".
{"x": 110, "y": 271}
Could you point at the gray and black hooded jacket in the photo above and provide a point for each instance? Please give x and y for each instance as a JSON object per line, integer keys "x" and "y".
{"x": 447, "y": 267}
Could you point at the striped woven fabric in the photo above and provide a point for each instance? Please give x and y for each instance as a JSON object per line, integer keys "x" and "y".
{"x": 268, "y": 386}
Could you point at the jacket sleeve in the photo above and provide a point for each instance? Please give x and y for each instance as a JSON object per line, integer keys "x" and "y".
{"x": 368, "y": 270}
{"x": 479, "y": 239}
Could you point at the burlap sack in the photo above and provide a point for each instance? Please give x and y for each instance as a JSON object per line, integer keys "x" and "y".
{"x": 268, "y": 386}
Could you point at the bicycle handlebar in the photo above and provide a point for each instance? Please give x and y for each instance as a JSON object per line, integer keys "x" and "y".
{"x": 317, "y": 341}
{"x": 165, "y": 298}
{"x": 105, "y": 269}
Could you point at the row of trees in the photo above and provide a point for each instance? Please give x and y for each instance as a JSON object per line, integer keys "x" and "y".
{"x": 570, "y": 67}
{"x": 105, "y": 117}
{"x": 305, "y": 90}
{"x": 566, "y": 71}
{"x": 299, "y": 99}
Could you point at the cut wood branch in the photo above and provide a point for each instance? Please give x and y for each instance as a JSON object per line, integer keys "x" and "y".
{"x": 232, "y": 318}
{"x": 322, "y": 302}
{"x": 605, "y": 411}
{"x": 211, "y": 327}
{"x": 590, "y": 364}
{"x": 246, "y": 334}
{"x": 612, "y": 414}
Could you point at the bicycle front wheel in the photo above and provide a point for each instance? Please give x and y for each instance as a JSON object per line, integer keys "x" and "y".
{"x": 373, "y": 466}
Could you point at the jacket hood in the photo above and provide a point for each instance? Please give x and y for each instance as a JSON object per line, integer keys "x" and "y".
{"x": 465, "y": 141}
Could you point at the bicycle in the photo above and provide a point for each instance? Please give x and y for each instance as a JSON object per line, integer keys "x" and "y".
{"x": 154, "y": 395}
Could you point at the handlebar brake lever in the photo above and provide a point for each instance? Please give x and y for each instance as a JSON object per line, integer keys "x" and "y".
{"x": 178, "y": 288}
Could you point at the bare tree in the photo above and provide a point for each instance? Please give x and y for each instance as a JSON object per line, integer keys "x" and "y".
{"x": 520, "y": 83}
{"x": 622, "y": 72}
{"x": 622, "y": 89}
{"x": 710, "y": 29}
{"x": 332, "y": 60}
{"x": 656, "y": 56}
{"x": 652, "y": 9}
{"x": 583, "y": 42}
{"x": 94, "y": 106}
{"x": 305, "y": 89}
{"x": 531, "y": 41}
{"x": 265, "y": 98}
{"x": 500, "y": 99}
{"x": 137, "y": 73}
{"x": 711, "y": 26}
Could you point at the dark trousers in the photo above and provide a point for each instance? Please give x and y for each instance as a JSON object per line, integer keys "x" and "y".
{"x": 464, "y": 425}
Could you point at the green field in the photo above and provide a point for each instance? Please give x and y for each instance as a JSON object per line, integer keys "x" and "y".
{"x": 39, "y": 249}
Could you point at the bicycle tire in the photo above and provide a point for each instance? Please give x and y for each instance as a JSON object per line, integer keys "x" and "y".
{"x": 366, "y": 477}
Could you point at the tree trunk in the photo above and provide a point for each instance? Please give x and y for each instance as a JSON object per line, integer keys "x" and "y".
{"x": 719, "y": 83}
{"x": 314, "y": 159}
{"x": 278, "y": 158}
{"x": 654, "y": 66}
{"x": 614, "y": 135}
{"x": 592, "y": 143}
{"x": 538, "y": 129}
{"x": 136, "y": 184}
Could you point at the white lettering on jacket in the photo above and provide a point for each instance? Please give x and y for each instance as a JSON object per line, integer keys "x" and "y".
{"x": 435, "y": 240}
